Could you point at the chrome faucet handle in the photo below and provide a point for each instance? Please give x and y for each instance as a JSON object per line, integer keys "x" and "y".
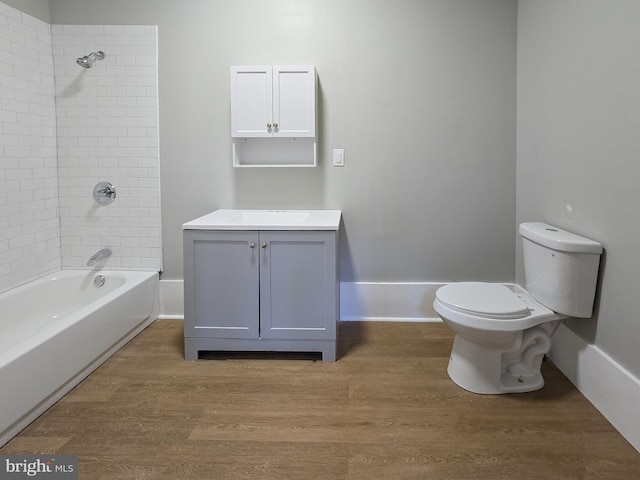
{"x": 104, "y": 193}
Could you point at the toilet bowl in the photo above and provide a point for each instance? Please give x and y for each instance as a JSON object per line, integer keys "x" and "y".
{"x": 502, "y": 335}
{"x": 503, "y": 331}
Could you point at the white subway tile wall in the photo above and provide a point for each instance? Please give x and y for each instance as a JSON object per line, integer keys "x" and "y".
{"x": 108, "y": 131}
{"x": 65, "y": 128}
{"x": 29, "y": 226}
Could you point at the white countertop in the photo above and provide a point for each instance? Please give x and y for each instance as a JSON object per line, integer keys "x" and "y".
{"x": 226, "y": 219}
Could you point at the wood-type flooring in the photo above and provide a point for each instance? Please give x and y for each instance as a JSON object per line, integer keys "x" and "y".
{"x": 385, "y": 410}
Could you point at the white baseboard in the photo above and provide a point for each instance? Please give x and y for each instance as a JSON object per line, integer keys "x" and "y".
{"x": 605, "y": 383}
{"x": 171, "y": 299}
{"x": 371, "y": 301}
{"x": 400, "y": 302}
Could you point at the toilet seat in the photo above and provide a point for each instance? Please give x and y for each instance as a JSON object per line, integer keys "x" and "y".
{"x": 490, "y": 300}
{"x": 490, "y": 306}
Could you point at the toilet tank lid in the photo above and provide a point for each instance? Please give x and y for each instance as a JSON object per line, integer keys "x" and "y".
{"x": 558, "y": 239}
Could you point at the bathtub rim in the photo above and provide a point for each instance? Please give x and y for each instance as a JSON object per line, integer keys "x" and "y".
{"x": 32, "y": 342}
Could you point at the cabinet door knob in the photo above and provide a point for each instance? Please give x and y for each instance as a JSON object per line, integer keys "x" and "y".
{"x": 264, "y": 245}
{"x": 268, "y": 125}
{"x": 252, "y": 245}
{"x": 275, "y": 125}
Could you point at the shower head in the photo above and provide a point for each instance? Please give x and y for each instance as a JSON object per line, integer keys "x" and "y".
{"x": 87, "y": 60}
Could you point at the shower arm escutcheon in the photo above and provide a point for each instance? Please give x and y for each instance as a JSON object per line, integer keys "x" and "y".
{"x": 104, "y": 193}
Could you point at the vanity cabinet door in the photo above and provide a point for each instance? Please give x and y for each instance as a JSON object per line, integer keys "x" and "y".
{"x": 221, "y": 284}
{"x": 298, "y": 285}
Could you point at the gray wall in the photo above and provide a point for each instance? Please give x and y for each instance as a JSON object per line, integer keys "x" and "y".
{"x": 579, "y": 147}
{"x": 420, "y": 94}
{"x": 35, "y": 8}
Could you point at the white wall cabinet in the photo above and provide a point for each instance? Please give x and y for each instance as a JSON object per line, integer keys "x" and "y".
{"x": 275, "y": 103}
{"x": 260, "y": 291}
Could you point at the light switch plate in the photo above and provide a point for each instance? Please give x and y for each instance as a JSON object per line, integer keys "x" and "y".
{"x": 338, "y": 157}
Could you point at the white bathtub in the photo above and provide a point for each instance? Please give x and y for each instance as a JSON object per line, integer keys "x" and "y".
{"x": 58, "y": 329}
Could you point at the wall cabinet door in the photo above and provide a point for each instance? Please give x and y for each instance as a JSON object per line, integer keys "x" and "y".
{"x": 273, "y": 101}
{"x": 294, "y": 101}
{"x": 298, "y": 285}
{"x": 252, "y": 101}
{"x": 221, "y": 284}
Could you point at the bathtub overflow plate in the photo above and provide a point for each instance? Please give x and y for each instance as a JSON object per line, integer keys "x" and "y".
{"x": 99, "y": 280}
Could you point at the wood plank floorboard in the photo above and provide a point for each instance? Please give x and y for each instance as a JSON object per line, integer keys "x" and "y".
{"x": 385, "y": 410}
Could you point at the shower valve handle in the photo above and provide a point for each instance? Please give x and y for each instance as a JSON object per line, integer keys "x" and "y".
{"x": 104, "y": 193}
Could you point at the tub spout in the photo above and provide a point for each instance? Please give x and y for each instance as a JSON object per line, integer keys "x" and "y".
{"x": 98, "y": 256}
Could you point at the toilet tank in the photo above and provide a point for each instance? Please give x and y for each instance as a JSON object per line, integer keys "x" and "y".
{"x": 561, "y": 268}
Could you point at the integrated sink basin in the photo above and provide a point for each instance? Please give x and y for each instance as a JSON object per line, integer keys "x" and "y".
{"x": 229, "y": 219}
{"x": 274, "y": 217}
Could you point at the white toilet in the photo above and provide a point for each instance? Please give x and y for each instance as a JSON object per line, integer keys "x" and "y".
{"x": 502, "y": 331}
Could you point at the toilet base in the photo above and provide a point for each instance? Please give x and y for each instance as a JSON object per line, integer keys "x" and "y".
{"x": 512, "y": 368}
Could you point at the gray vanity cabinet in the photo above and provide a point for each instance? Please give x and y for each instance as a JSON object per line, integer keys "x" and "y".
{"x": 260, "y": 291}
